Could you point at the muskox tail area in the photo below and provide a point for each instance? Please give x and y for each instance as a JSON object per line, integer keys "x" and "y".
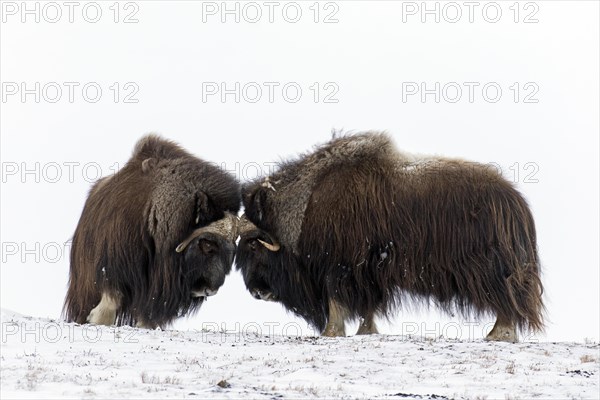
{"x": 83, "y": 293}
{"x": 476, "y": 254}
{"x": 516, "y": 292}
{"x": 79, "y": 301}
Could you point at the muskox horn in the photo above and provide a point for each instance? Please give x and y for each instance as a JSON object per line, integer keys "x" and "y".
{"x": 226, "y": 227}
{"x": 272, "y": 247}
{"x": 246, "y": 225}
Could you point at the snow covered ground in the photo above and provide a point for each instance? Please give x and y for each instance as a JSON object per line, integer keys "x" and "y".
{"x": 44, "y": 358}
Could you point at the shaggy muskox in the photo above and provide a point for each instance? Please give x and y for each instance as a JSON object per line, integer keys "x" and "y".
{"x": 154, "y": 240}
{"x": 357, "y": 227}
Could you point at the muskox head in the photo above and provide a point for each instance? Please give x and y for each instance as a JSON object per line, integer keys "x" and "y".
{"x": 208, "y": 255}
{"x": 257, "y": 250}
{"x": 271, "y": 269}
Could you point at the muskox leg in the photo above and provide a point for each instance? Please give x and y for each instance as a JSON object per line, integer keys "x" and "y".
{"x": 335, "y": 323}
{"x": 367, "y": 325}
{"x": 145, "y": 325}
{"x": 105, "y": 313}
{"x": 503, "y": 331}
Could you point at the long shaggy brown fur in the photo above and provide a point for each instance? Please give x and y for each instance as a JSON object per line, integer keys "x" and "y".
{"x": 368, "y": 226}
{"x": 132, "y": 222}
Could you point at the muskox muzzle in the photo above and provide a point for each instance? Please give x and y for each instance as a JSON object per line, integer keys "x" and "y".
{"x": 208, "y": 256}
{"x": 263, "y": 294}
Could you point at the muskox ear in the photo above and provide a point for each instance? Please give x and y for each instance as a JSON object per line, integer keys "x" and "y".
{"x": 148, "y": 165}
{"x": 205, "y": 209}
{"x": 259, "y": 202}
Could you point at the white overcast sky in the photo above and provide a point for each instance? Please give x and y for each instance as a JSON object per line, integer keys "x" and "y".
{"x": 517, "y": 85}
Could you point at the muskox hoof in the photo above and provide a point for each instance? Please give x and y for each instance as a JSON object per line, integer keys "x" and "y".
{"x": 503, "y": 333}
{"x": 105, "y": 313}
{"x": 145, "y": 325}
{"x": 101, "y": 317}
{"x": 367, "y": 330}
{"x": 333, "y": 331}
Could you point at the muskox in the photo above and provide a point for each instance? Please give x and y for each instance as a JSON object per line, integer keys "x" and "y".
{"x": 356, "y": 228}
{"x": 154, "y": 240}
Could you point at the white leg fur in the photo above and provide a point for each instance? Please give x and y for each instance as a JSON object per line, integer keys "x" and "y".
{"x": 367, "y": 326}
{"x": 105, "y": 313}
{"x": 503, "y": 331}
{"x": 335, "y": 324}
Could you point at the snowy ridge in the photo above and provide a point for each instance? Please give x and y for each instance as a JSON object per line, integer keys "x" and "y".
{"x": 44, "y": 358}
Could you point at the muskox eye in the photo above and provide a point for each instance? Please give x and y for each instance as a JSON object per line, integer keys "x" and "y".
{"x": 208, "y": 247}
{"x": 253, "y": 244}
